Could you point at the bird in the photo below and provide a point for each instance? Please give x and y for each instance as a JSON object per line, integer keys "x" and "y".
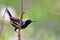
{"x": 15, "y": 21}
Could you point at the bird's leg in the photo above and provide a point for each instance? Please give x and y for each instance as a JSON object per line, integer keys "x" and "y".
{"x": 15, "y": 29}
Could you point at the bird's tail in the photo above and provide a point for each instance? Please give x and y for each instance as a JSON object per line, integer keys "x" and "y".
{"x": 8, "y": 12}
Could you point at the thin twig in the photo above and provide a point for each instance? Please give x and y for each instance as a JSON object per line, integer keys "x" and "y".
{"x": 21, "y": 16}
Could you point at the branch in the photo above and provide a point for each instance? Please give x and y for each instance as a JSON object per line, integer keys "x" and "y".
{"x": 21, "y": 16}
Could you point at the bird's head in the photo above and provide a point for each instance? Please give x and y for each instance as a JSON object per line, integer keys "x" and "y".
{"x": 28, "y": 21}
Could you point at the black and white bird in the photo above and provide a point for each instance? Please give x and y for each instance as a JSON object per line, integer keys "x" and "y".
{"x": 15, "y": 21}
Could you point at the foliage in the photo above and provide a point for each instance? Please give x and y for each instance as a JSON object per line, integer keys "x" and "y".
{"x": 46, "y": 14}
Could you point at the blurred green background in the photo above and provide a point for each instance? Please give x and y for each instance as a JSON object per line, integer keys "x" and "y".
{"x": 46, "y": 13}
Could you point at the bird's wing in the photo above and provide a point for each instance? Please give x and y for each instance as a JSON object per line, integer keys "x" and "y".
{"x": 15, "y": 21}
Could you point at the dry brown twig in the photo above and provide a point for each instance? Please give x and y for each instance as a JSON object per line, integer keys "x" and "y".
{"x": 21, "y": 16}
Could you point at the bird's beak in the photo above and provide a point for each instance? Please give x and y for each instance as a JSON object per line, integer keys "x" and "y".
{"x": 33, "y": 21}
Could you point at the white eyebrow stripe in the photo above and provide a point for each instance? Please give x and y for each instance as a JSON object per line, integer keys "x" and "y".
{"x": 26, "y": 19}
